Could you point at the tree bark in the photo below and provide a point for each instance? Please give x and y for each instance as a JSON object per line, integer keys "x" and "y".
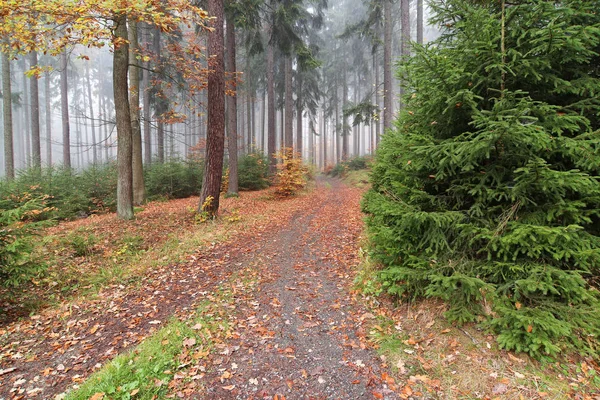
{"x": 48, "y": 113}
{"x": 92, "y": 119}
{"x": 160, "y": 131}
{"x": 271, "y": 107}
{"x": 405, "y": 34}
{"x": 146, "y": 102}
{"x": 215, "y": 140}
{"x": 9, "y": 154}
{"x": 232, "y": 137}
{"x": 377, "y": 102}
{"x": 36, "y": 147}
{"x": 387, "y": 64}
{"x": 289, "y": 104}
{"x": 64, "y": 109}
{"x": 345, "y": 131}
{"x": 139, "y": 192}
{"x": 299, "y": 113}
{"x": 123, "y": 118}
{"x": 420, "y": 21}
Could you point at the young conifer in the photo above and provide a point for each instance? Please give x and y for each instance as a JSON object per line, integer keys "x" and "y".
{"x": 487, "y": 192}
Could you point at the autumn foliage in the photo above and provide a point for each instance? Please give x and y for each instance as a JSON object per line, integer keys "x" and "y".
{"x": 291, "y": 174}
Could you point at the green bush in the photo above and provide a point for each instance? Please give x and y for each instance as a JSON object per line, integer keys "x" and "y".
{"x": 487, "y": 192}
{"x": 353, "y": 164}
{"x": 173, "y": 179}
{"x": 339, "y": 170}
{"x": 17, "y": 232}
{"x": 81, "y": 243}
{"x": 253, "y": 171}
{"x": 69, "y": 193}
{"x": 358, "y": 163}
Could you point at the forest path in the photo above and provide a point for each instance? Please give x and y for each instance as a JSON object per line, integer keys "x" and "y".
{"x": 314, "y": 345}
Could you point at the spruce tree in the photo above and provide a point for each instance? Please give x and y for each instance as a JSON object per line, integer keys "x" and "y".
{"x": 487, "y": 192}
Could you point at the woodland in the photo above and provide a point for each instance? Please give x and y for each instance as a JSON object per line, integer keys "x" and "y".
{"x": 274, "y": 199}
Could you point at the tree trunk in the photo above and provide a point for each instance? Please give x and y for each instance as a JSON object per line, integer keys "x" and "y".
{"x": 345, "y": 130}
{"x": 420, "y": 21}
{"x": 146, "y": 102}
{"x": 232, "y": 137}
{"x": 123, "y": 118}
{"x": 405, "y": 34}
{"x": 299, "y": 113}
{"x": 160, "y": 130}
{"x": 324, "y": 141}
{"x": 92, "y": 119}
{"x": 139, "y": 192}
{"x": 387, "y": 64}
{"x": 377, "y": 101}
{"x": 48, "y": 113}
{"x": 9, "y": 155}
{"x": 64, "y": 109}
{"x": 36, "y": 147}
{"x": 26, "y": 116}
{"x": 215, "y": 140}
{"x": 271, "y": 107}
{"x": 289, "y": 103}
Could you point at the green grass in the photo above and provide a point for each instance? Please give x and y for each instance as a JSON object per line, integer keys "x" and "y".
{"x": 359, "y": 178}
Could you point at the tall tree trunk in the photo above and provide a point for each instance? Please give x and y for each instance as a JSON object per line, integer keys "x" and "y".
{"x": 48, "y": 112}
{"x": 106, "y": 134}
{"x": 146, "y": 101}
{"x": 420, "y": 21}
{"x": 64, "y": 109}
{"x": 345, "y": 130}
{"x": 387, "y": 64}
{"x": 405, "y": 33}
{"x": 271, "y": 107}
{"x": 36, "y": 147}
{"x": 139, "y": 191}
{"x": 299, "y": 113}
{"x": 160, "y": 130}
{"x": 9, "y": 155}
{"x": 324, "y": 141}
{"x": 232, "y": 137}
{"x": 289, "y": 104}
{"x": 377, "y": 101}
{"x": 215, "y": 141}
{"x": 92, "y": 120}
{"x": 123, "y": 118}
{"x": 26, "y": 115}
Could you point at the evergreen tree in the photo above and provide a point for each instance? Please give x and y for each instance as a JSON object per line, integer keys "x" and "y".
{"x": 487, "y": 193}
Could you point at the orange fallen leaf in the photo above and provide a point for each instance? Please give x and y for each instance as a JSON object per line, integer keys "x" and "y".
{"x": 97, "y": 396}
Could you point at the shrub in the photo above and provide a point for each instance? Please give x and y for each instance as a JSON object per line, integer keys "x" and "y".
{"x": 253, "y": 171}
{"x": 17, "y": 231}
{"x": 292, "y": 173}
{"x": 338, "y": 171}
{"x": 174, "y": 179}
{"x": 487, "y": 192}
{"x": 69, "y": 193}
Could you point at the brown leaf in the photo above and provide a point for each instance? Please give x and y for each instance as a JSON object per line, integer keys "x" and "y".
{"x": 97, "y": 396}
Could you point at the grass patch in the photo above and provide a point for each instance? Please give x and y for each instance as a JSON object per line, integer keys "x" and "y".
{"x": 359, "y": 178}
{"x": 174, "y": 356}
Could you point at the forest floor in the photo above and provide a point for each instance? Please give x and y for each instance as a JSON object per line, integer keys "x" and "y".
{"x": 261, "y": 305}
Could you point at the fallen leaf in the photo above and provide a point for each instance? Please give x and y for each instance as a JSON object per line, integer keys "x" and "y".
{"x": 230, "y": 387}
{"x": 189, "y": 342}
{"x": 97, "y": 396}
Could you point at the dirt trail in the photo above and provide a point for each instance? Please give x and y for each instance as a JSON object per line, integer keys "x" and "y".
{"x": 314, "y": 349}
